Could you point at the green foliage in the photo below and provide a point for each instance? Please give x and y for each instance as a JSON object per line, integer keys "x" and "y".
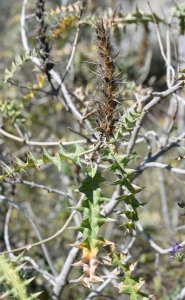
{"x": 140, "y": 16}
{"x": 9, "y": 72}
{"x": 41, "y": 110}
{"x": 18, "y": 165}
{"x": 130, "y": 284}
{"x": 136, "y": 17}
{"x": 179, "y": 12}
{"x": 125, "y": 176}
{"x": 9, "y": 275}
{"x": 74, "y": 156}
{"x": 11, "y": 110}
{"x": 90, "y": 225}
{"x": 127, "y": 122}
{"x": 66, "y": 17}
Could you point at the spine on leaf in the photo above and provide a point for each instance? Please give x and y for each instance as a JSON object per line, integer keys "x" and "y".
{"x": 90, "y": 226}
{"x": 15, "y": 286}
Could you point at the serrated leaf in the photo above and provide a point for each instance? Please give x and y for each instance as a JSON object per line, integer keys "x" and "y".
{"x": 91, "y": 184}
{"x": 131, "y": 215}
{"x": 130, "y": 285}
{"x": 55, "y": 160}
{"x": 130, "y": 200}
{"x": 14, "y": 284}
{"x": 75, "y": 156}
{"x": 9, "y": 72}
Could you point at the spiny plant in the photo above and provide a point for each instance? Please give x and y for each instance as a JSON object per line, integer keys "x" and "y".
{"x": 9, "y": 277}
{"x": 66, "y": 15}
{"x": 110, "y": 127}
{"x": 9, "y": 72}
{"x": 93, "y": 200}
{"x": 108, "y": 83}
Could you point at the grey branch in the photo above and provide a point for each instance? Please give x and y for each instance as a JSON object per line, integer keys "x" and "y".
{"x": 24, "y": 211}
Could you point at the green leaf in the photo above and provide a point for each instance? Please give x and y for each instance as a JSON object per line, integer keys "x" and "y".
{"x": 15, "y": 286}
{"x": 131, "y": 200}
{"x": 90, "y": 207}
{"x": 75, "y": 156}
{"x": 128, "y": 122}
{"x": 130, "y": 285}
{"x": 131, "y": 215}
{"x": 55, "y": 160}
{"x": 9, "y": 72}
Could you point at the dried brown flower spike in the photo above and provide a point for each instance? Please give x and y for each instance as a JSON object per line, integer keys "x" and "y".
{"x": 108, "y": 85}
{"x": 42, "y": 42}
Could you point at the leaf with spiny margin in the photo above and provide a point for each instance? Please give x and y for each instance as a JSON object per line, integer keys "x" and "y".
{"x": 140, "y": 17}
{"x": 130, "y": 214}
{"x": 87, "y": 205}
{"x": 90, "y": 207}
{"x": 130, "y": 285}
{"x": 9, "y": 72}
{"x": 120, "y": 159}
{"x": 91, "y": 226}
{"x": 33, "y": 161}
{"x": 91, "y": 183}
{"x": 15, "y": 286}
{"x": 128, "y": 122}
{"x": 63, "y": 25}
{"x": 92, "y": 219}
{"x": 55, "y": 160}
{"x": 125, "y": 183}
{"x": 118, "y": 168}
{"x": 19, "y": 165}
{"x": 118, "y": 165}
{"x": 7, "y": 171}
{"x": 71, "y": 8}
{"x": 75, "y": 156}
{"x": 131, "y": 200}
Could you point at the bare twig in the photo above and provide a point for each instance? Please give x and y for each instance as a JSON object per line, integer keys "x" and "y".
{"x": 164, "y": 205}
{"x": 162, "y": 50}
{"x": 74, "y": 44}
{"x": 33, "y": 143}
{"x": 43, "y": 187}
{"x": 6, "y": 235}
{"x": 61, "y": 280}
{"x": 169, "y": 121}
{"x": 28, "y": 88}
{"x": 23, "y": 210}
{"x": 53, "y": 74}
{"x": 162, "y": 166}
{"x": 148, "y": 106}
{"x": 44, "y": 273}
{"x": 150, "y": 241}
{"x": 41, "y": 242}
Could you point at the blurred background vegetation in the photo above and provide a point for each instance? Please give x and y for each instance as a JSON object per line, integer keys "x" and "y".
{"x": 42, "y": 117}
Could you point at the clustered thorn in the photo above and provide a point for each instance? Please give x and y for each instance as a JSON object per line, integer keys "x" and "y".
{"x": 107, "y": 82}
